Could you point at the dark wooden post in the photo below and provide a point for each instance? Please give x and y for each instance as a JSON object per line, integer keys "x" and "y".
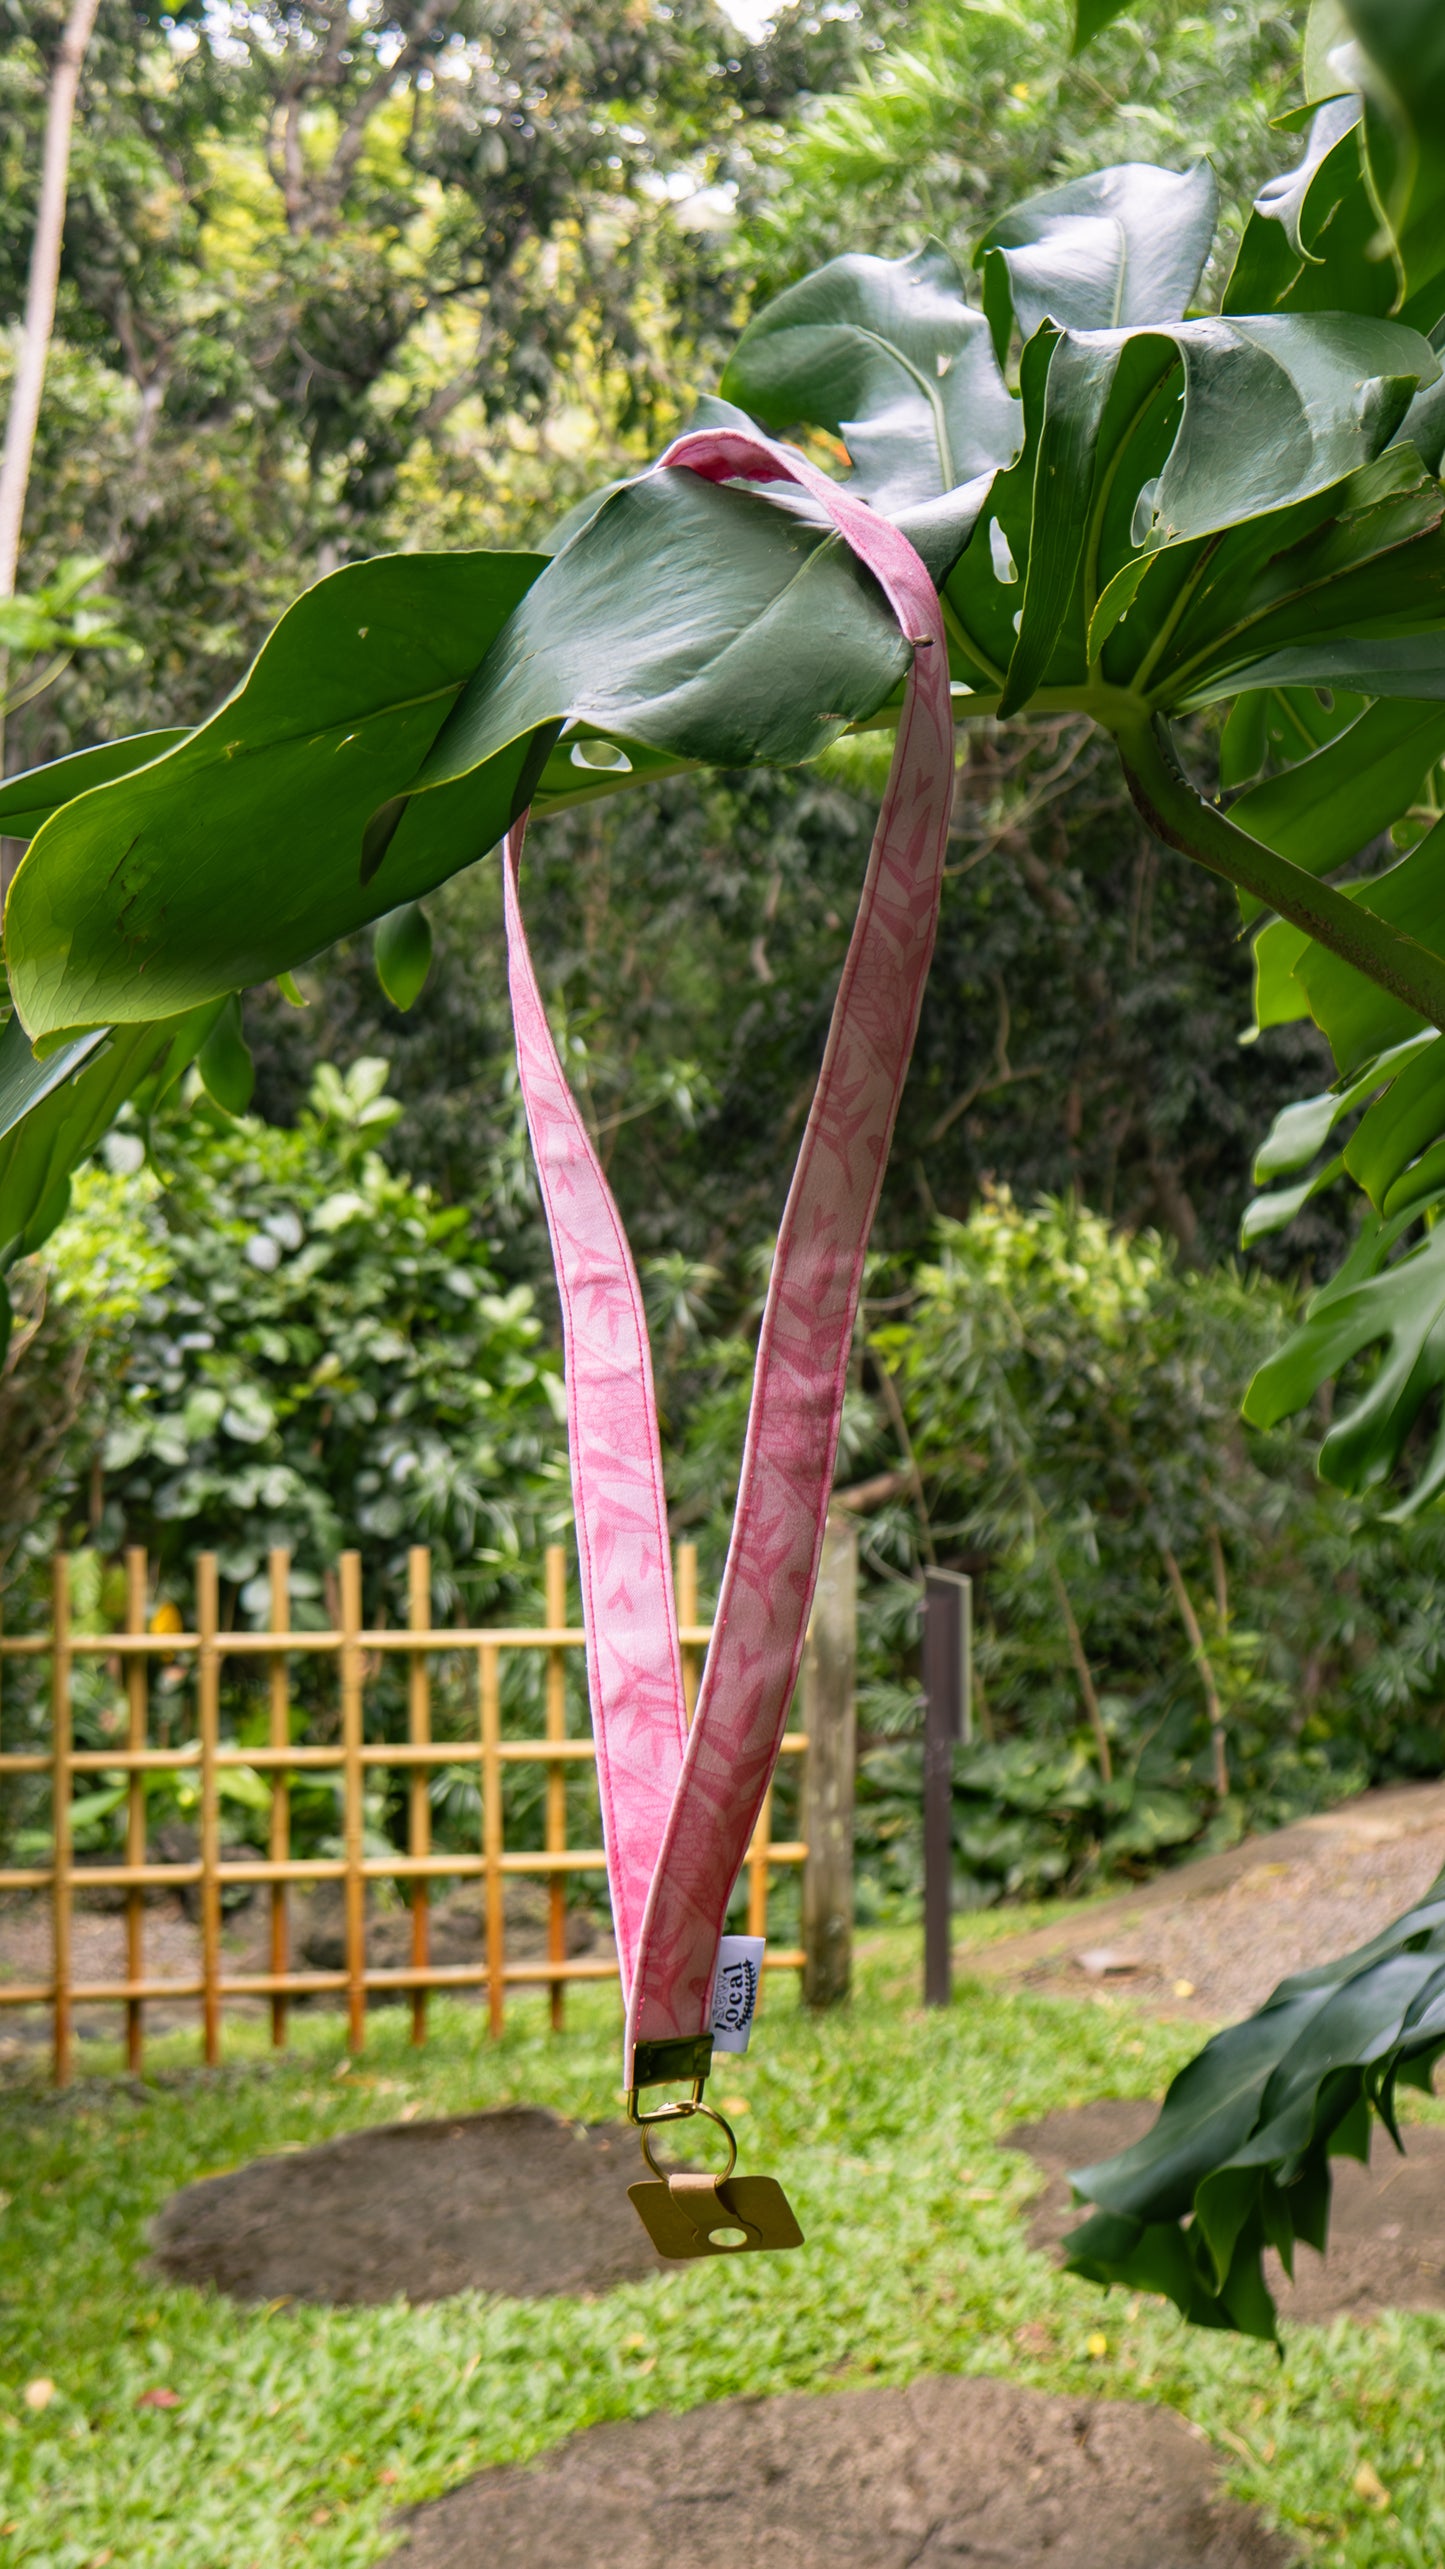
{"x": 947, "y": 1599}
{"x": 830, "y": 1720}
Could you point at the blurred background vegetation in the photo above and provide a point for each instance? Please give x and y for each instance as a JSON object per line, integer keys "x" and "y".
{"x": 342, "y": 278}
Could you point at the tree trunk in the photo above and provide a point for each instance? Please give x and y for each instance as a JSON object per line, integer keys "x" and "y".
{"x": 39, "y": 322}
{"x": 1082, "y": 1669}
{"x": 1200, "y": 1656}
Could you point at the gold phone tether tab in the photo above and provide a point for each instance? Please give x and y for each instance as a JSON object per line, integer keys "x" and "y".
{"x": 686, "y": 2214}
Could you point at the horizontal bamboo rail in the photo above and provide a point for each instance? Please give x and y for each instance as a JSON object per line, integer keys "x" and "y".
{"x": 208, "y": 1756}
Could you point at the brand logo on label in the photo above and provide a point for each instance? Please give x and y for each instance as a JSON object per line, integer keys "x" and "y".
{"x": 737, "y": 1996}
{"x": 735, "y": 1991}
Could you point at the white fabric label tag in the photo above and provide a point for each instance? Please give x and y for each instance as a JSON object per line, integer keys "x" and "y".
{"x": 735, "y": 1991}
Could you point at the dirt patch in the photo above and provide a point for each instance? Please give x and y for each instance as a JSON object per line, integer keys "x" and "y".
{"x": 948, "y": 2470}
{"x": 516, "y": 2202}
{"x": 1212, "y": 1938}
{"x": 1387, "y": 2221}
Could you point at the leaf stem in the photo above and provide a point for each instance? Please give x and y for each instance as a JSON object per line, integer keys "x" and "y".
{"x": 1182, "y": 818}
{"x": 954, "y": 624}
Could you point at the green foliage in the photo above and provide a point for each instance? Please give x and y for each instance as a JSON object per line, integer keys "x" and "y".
{"x": 53, "y": 1112}
{"x": 225, "y": 1063}
{"x": 1235, "y": 463}
{"x": 1032, "y": 1817}
{"x": 329, "y": 1361}
{"x": 962, "y": 113}
{"x": 391, "y": 643}
{"x": 1239, "y": 2159}
{"x": 489, "y": 270}
{"x": 1068, "y": 1397}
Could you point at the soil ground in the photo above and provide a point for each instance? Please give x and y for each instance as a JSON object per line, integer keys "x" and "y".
{"x": 1211, "y": 1939}
{"x": 518, "y": 2202}
{"x": 1387, "y": 2221}
{"x": 948, "y": 2471}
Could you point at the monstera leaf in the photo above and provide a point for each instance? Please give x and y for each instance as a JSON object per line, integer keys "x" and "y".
{"x": 1324, "y": 810}
{"x": 256, "y": 840}
{"x": 1119, "y": 249}
{"x": 1239, "y": 2159}
{"x": 1390, "y": 166}
{"x": 1402, "y": 43}
{"x": 698, "y": 620}
{"x": 1312, "y": 242}
{"x": 890, "y": 356}
{"x": 28, "y": 801}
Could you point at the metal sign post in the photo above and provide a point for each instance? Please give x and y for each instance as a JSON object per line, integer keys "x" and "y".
{"x": 948, "y": 1717}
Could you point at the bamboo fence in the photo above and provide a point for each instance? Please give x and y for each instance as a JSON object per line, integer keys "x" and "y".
{"x": 353, "y": 1757}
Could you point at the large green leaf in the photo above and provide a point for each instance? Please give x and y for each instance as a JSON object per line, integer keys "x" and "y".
{"x": 1239, "y": 2159}
{"x": 889, "y": 355}
{"x": 1116, "y": 250}
{"x": 1412, "y": 666}
{"x": 1360, "y": 1020}
{"x": 1301, "y": 1129}
{"x": 1230, "y": 438}
{"x": 1312, "y": 240}
{"x": 53, "y": 1113}
{"x": 246, "y": 848}
{"x": 692, "y": 617}
{"x": 1326, "y": 809}
{"x": 1068, "y": 460}
{"x": 1278, "y": 407}
{"x": 1398, "y": 59}
{"x": 1299, "y": 598}
{"x": 29, "y": 799}
{"x": 1287, "y": 723}
{"x": 1397, "y": 1133}
{"x": 24, "y": 1081}
{"x": 1398, "y": 1309}
{"x": 1404, "y": 46}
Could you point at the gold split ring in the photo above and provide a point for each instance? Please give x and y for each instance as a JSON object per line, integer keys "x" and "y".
{"x": 680, "y": 2112}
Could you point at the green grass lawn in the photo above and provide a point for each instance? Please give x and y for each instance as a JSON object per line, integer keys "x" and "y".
{"x": 299, "y": 2430}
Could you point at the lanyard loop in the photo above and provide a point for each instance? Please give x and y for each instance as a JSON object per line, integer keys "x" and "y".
{"x": 679, "y": 1805}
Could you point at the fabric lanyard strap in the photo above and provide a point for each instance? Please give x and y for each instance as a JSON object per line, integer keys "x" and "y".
{"x": 679, "y": 1804}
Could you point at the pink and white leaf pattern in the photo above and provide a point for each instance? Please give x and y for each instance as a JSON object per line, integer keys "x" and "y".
{"x": 679, "y": 1806}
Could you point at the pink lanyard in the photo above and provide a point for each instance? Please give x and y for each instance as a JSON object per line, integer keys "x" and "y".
{"x": 679, "y": 1804}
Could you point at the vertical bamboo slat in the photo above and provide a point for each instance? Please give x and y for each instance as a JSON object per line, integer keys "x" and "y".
{"x": 279, "y": 1679}
{"x": 489, "y": 1681}
{"x": 353, "y": 1777}
{"x": 557, "y": 1776}
{"x": 418, "y": 1605}
{"x": 137, "y": 1690}
{"x": 830, "y": 1719}
{"x": 60, "y": 1885}
{"x": 758, "y": 1868}
{"x": 208, "y": 1708}
{"x": 685, "y": 1585}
